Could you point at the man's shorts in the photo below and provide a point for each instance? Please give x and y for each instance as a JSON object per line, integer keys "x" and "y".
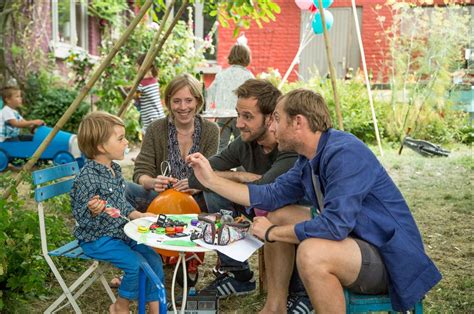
{"x": 373, "y": 277}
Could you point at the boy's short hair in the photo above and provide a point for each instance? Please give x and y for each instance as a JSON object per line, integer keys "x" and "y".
{"x": 8, "y": 92}
{"x": 141, "y": 59}
{"x": 310, "y": 105}
{"x": 262, "y": 90}
{"x": 179, "y": 82}
{"x": 96, "y": 129}
{"x": 239, "y": 55}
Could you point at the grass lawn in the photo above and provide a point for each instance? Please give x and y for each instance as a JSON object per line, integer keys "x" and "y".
{"x": 440, "y": 194}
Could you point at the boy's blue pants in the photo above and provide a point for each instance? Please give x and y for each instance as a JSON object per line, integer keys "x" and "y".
{"x": 126, "y": 255}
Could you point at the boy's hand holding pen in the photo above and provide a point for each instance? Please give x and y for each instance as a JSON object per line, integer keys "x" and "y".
{"x": 96, "y": 205}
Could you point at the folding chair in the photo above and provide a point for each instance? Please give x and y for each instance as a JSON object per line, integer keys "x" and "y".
{"x": 49, "y": 183}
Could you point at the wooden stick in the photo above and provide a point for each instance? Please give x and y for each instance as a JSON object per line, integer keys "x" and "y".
{"x": 367, "y": 82}
{"x": 332, "y": 72}
{"x": 148, "y": 61}
{"x": 84, "y": 91}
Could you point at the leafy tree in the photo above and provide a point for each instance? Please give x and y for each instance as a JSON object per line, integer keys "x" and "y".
{"x": 425, "y": 46}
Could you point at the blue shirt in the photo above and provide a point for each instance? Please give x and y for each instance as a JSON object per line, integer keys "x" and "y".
{"x": 97, "y": 179}
{"x": 360, "y": 200}
{"x": 6, "y": 129}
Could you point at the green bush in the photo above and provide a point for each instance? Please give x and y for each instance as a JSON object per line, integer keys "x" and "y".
{"x": 354, "y": 102}
{"x": 23, "y": 271}
{"x": 46, "y": 99}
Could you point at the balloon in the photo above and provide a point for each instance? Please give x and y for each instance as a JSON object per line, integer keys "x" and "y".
{"x": 318, "y": 24}
{"x": 312, "y": 8}
{"x": 326, "y": 3}
{"x": 304, "y": 4}
{"x": 173, "y": 202}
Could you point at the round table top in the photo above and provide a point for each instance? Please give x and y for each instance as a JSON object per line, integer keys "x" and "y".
{"x": 156, "y": 240}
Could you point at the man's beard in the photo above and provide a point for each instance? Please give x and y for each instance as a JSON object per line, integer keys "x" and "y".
{"x": 259, "y": 134}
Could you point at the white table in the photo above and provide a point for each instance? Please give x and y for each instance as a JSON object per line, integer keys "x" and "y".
{"x": 217, "y": 114}
{"x": 155, "y": 240}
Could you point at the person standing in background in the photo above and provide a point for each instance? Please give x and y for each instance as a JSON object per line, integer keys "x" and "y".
{"x": 221, "y": 94}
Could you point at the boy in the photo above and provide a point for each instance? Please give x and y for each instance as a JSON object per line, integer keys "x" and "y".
{"x": 11, "y": 121}
{"x": 101, "y": 138}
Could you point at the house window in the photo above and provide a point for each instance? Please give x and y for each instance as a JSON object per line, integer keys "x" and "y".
{"x": 203, "y": 23}
{"x": 69, "y": 27}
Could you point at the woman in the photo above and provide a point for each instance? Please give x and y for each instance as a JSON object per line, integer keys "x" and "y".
{"x": 169, "y": 140}
{"x": 221, "y": 92}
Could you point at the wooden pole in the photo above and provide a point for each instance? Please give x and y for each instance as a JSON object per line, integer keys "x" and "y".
{"x": 148, "y": 61}
{"x": 366, "y": 75}
{"x": 149, "y": 56}
{"x": 84, "y": 91}
{"x": 332, "y": 72}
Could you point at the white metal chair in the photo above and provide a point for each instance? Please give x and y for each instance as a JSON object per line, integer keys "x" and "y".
{"x": 49, "y": 183}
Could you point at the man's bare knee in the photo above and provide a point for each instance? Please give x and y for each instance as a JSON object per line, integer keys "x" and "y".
{"x": 312, "y": 255}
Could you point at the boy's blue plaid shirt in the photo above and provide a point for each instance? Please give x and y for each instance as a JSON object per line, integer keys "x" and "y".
{"x": 97, "y": 179}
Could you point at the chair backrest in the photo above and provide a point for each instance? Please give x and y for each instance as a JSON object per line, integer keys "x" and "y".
{"x": 46, "y": 191}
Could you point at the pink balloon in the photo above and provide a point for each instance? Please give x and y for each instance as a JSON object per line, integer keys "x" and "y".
{"x": 304, "y": 4}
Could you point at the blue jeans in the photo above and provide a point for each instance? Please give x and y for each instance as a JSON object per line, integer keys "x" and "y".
{"x": 127, "y": 255}
{"x": 215, "y": 203}
{"x": 138, "y": 196}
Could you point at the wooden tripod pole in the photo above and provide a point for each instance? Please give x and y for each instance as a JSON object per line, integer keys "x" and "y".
{"x": 366, "y": 76}
{"x": 332, "y": 72}
{"x": 84, "y": 91}
{"x": 150, "y": 58}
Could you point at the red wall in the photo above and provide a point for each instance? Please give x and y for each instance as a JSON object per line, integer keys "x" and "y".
{"x": 275, "y": 44}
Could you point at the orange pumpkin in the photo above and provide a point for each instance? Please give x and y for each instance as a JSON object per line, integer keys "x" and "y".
{"x": 172, "y": 202}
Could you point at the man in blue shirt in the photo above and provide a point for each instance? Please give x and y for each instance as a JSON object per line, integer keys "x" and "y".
{"x": 364, "y": 237}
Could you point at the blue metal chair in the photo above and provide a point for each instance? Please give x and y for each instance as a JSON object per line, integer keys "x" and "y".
{"x": 364, "y": 303}
{"x": 56, "y": 181}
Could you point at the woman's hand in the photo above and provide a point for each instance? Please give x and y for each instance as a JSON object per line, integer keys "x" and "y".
{"x": 96, "y": 205}
{"x": 161, "y": 183}
{"x": 183, "y": 186}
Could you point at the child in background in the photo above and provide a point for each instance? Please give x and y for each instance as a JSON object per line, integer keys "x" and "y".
{"x": 148, "y": 100}
{"x": 98, "y": 188}
{"x": 11, "y": 121}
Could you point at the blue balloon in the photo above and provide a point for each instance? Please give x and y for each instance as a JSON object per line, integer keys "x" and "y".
{"x": 326, "y": 3}
{"x": 318, "y": 23}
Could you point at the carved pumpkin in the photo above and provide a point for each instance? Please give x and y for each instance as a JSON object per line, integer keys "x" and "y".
{"x": 172, "y": 202}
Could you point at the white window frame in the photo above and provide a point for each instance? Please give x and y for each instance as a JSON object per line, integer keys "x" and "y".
{"x": 199, "y": 32}
{"x": 62, "y": 49}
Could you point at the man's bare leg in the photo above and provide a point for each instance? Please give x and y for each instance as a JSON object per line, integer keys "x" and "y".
{"x": 279, "y": 259}
{"x": 325, "y": 267}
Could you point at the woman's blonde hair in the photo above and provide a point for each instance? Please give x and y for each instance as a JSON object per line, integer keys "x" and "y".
{"x": 179, "y": 82}
{"x": 96, "y": 129}
{"x": 239, "y": 55}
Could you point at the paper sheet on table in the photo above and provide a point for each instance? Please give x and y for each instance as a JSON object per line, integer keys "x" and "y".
{"x": 240, "y": 250}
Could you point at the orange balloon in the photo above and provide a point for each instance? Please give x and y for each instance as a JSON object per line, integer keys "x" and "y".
{"x": 172, "y": 202}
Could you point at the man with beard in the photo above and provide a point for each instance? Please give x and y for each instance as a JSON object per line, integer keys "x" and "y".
{"x": 358, "y": 234}
{"x": 256, "y": 151}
